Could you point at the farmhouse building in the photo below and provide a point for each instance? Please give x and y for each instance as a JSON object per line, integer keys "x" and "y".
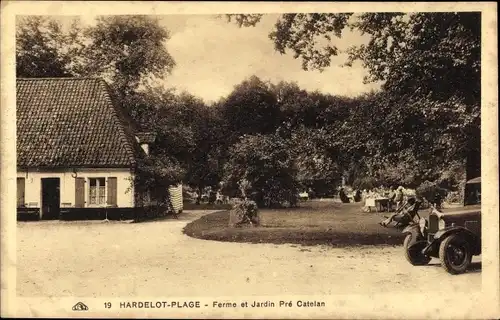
{"x": 76, "y": 153}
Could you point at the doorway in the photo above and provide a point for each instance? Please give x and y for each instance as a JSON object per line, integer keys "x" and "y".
{"x": 51, "y": 197}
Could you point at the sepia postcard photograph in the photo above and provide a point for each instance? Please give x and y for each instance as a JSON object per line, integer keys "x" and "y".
{"x": 294, "y": 160}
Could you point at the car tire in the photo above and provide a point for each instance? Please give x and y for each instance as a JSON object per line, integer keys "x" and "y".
{"x": 455, "y": 254}
{"x": 414, "y": 255}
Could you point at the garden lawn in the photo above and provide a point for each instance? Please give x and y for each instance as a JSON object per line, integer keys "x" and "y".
{"x": 205, "y": 206}
{"x": 312, "y": 223}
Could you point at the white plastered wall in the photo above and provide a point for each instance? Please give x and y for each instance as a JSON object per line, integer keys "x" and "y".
{"x": 33, "y": 183}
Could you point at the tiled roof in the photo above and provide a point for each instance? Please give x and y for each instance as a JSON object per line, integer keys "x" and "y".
{"x": 70, "y": 122}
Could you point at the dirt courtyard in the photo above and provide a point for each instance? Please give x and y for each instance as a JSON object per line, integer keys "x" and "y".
{"x": 118, "y": 259}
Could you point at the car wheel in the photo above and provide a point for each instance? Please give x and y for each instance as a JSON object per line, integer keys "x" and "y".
{"x": 455, "y": 254}
{"x": 413, "y": 253}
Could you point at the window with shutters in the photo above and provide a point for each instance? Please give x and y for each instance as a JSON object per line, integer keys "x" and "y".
{"x": 97, "y": 191}
{"x": 20, "y": 192}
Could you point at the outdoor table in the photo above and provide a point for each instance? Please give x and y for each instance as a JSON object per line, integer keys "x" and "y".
{"x": 378, "y": 203}
{"x": 370, "y": 202}
{"x": 381, "y": 203}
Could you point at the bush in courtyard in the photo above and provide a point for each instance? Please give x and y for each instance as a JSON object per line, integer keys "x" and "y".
{"x": 454, "y": 197}
{"x": 266, "y": 164}
{"x": 244, "y": 213}
{"x": 431, "y": 192}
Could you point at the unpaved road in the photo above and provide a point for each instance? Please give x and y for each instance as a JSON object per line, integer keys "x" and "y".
{"x": 155, "y": 259}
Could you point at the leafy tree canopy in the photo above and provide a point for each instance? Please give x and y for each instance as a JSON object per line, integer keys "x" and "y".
{"x": 40, "y": 44}
{"x": 429, "y": 64}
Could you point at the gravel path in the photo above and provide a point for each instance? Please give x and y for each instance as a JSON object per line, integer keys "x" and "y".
{"x": 155, "y": 259}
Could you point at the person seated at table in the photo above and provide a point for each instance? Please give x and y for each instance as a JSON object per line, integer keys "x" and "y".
{"x": 343, "y": 196}
{"x": 404, "y": 215}
{"x": 357, "y": 196}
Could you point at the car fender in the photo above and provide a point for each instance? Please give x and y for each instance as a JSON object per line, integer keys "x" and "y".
{"x": 470, "y": 236}
{"x": 414, "y": 230}
{"x": 443, "y": 233}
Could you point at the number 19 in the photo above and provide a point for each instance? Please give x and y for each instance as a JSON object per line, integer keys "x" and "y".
{"x": 107, "y": 305}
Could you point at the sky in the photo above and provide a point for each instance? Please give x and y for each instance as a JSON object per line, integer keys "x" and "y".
{"x": 212, "y": 56}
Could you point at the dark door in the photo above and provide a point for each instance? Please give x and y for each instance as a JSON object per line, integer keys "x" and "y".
{"x": 50, "y": 198}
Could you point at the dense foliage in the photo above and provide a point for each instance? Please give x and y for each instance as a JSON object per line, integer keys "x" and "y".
{"x": 266, "y": 162}
{"x": 41, "y": 48}
{"x": 429, "y": 65}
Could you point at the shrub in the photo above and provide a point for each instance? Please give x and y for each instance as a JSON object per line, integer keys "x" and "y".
{"x": 262, "y": 167}
{"x": 244, "y": 213}
{"x": 454, "y": 197}
{"x": 431, "y": 192}
{"x": 367, "y": 183}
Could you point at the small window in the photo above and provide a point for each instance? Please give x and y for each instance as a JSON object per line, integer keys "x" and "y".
{"x": 97, "y": 191}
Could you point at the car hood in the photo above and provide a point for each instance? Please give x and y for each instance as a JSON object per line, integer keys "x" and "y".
{"x": 472, "y": 212}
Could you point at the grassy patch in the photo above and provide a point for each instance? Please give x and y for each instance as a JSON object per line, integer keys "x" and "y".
{"x": 313, "y": 223}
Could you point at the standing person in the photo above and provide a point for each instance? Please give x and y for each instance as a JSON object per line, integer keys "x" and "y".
{"x": 438, "y": 200}
{"x": 399, "y": 198}
{"x": 392, "y": 198}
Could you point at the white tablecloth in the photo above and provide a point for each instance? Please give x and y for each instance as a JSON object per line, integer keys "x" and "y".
{"x": 371, "y": 202}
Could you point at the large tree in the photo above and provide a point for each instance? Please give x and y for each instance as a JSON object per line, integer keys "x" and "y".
{"x": 266, "y": 162}
{"x": 204, "y": 164}
{"x": 40, "y": 48}
{"x": 251, "y": 108}
{"x": 127, "y": 50}
{"x": 429, "y": 66}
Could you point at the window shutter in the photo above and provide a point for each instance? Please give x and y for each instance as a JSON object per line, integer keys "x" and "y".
{"x": 79, "y": 192}
{"x": 20, "y": 192}
{"x": 112, "y": 185}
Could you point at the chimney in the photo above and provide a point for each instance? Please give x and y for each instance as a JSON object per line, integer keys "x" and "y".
{"x": 145, "y": 147}
{"x": 145, "y": 139}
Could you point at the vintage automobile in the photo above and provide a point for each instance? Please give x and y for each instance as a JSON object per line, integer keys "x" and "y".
{"x": 453, "y": 236}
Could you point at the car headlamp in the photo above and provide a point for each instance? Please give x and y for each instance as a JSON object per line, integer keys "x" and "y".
{"x": 422, "y": 223}
{"x": 441, "y": 224}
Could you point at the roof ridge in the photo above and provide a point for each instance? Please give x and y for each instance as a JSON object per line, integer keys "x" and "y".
{"x": 124, "y": 135}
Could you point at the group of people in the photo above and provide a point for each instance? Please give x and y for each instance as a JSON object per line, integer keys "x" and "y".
{"x": 390, "y": 199}
{"x": 404, "y": 207}
{"x": 345, "y": 198}
{"x": 395, "y": 196}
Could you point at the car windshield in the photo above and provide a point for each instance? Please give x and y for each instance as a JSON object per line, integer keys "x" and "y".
{"x": 472, "y": 193}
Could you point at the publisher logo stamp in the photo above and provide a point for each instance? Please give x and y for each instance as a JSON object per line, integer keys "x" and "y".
{"x": 80, "y": 306}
